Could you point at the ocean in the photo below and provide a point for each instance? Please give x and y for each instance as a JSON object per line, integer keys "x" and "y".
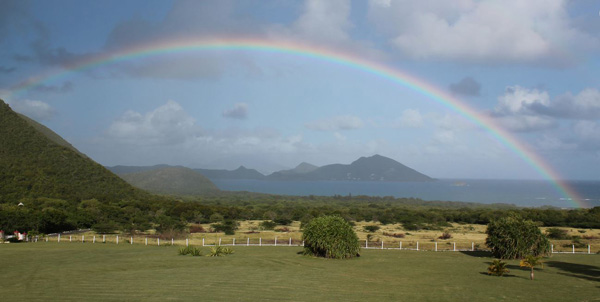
{"x": 527, "y": 193}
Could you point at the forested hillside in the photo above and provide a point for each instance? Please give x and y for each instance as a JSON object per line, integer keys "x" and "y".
{"x": 33, "y": 165}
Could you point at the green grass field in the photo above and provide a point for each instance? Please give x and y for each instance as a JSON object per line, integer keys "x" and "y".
{"x": 108, "y": 272}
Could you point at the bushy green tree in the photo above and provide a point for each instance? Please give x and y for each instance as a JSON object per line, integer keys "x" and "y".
{"x": 330, "y": 237}
{"x": 512, "y": 237}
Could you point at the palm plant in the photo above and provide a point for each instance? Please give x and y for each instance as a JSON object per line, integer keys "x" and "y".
{"x": 531, "y": 262}
{"x": 497, "y": 268}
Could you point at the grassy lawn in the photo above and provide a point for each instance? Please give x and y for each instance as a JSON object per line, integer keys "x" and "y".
{"x": 108, "y": 272}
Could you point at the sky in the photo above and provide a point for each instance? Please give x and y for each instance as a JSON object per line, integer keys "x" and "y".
{"x": 529, "y": 68}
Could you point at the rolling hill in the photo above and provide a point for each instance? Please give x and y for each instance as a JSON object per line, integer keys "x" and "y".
{"x": 171, "y": 180}
{"x": 36, "y": 162}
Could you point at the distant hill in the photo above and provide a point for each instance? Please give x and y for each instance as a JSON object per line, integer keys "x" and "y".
{"x": 36, "y": 162}
{"x": 302, "y": 168}
{"x": 121, "y": 170}
{"x": 374, "y": 168}
{"x": 171, "y": 180}
{"x": 239, "y": 173}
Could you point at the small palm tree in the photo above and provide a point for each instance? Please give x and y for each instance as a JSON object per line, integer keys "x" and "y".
{"x": 497, "y": 268}
{"x": 531, "y": 262}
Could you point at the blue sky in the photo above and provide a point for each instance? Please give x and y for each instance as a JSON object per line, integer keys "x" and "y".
{"x": 533, "y": 66}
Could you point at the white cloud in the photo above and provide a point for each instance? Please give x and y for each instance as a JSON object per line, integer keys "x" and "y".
{"x": 584, "y": 105}
{"x": 239, "y": 111}
{"x": 36, "y": 110}
{"x": 167, "y": 124}
{"x": 496, "y": 30}
{"x": 514, "y": 113}
{"x": 344, "y": 122}
{"x": 410, "y": 118}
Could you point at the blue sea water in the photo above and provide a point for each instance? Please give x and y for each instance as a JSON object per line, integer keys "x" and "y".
{"x": 529, "y": 193}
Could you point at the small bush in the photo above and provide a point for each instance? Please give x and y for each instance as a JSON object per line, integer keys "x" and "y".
{"x": 330, "y": 237}
{"x": 497, "y": 268}
{"x": 227, "y": 226}
{"x": 445, "y": 235}
{"x": 188, "y": 250}
{"x": 197, "y": 229}
{"x": 371, "y": 228}
{"x": 218, "y": 251}
{"x": 556, "y": 233}
{"x": 395, "y": 235}
{"x": 267, "y": 225}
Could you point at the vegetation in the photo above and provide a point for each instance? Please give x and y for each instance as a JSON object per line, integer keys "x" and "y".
{"x": 531, "y": 262}
{"x": 511, "y": 237}
{"x": 110, "y": 272}
{"x": 556, "y": 233}
{"x": 330, "y": 237}
{"x": 371, "y": 228}
{"x": 218, "y": 251}
{"x": 497, "y": 268}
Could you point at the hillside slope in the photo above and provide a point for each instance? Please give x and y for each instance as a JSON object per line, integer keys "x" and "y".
{"x": 34, "y": 165}
{"x": 171, "y": 180}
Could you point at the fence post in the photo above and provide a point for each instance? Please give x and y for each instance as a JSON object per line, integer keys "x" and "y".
{"x": 103, "y": 238}
{"x": 158, "y": 241}
{"x": 472, "y": 246}
{"x": 233, "y": 241}
{"x": 58, "y": 237}
{"x": 131, "y": 240}
{"x": 302, "y": 242}
{"x": 82, "y": 238}
{"x": 248, "y": 241}
{"x": 94, "y": 239}
{"x": 290, "y": 241}
{"x": 171, "y": 241}
{"x": 454, "y": 248}
{"x": 589, "y": 251}
{"x": 417, "y": 245}
{"x": 400, "y": 244}
{"x": 275, "y": 240}
{"x": 202, "y": 241}
{"x": 366, "y": 243}
{"x": 219, "y": 241}
{"x": 46, "y": 238}
{"x": 146, "y": 240}
{"x": 382, "y": 244}
{"x": 117, "y": 239}
{"x": 436, "y": 246}
{"x": 187, "y": 242}
{"x": 573, "y": 249}
{"x": 552, "y": 249}
{"x": 259, "y": 241}
{"x": 70, "y": 238}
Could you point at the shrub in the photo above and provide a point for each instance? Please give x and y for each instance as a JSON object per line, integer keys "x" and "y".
{"x": 497, "y": 268}
{"x": 267, "y": 225}
{"x": 395, "y": 235}
{"x": 556, "y": 233}
{"x": 188, "y": 250}
{"x": 371, "y": 228}
{"x": 330, "y": 237}
{"x": 511, "y": 237}
{"x": 197, "y": 229}
{"x": 218, "y": 251}
{"x": 445, "y": 235}
{"x": 227, "y": 226}
{"x": 283, "y": 221}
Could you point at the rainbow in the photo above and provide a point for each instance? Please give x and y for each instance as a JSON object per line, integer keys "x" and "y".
{"x": 350, "y": 61}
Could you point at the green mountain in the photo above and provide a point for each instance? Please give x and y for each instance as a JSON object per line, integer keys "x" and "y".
{"x": 374, "y": 168}
{"x": 121, "y": 170}
{"x": 36, "y": 162}
{"x": 171, "y": 180}
{"x": 239, "y": 173}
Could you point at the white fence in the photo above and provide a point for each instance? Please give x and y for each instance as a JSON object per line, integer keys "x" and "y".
{"x": 277, "y": 241}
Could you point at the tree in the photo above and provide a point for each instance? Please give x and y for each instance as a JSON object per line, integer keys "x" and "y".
{"x": 511, "y": 237}
{"x": 531, "y": 262}
{"x": 330, "y": 237}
